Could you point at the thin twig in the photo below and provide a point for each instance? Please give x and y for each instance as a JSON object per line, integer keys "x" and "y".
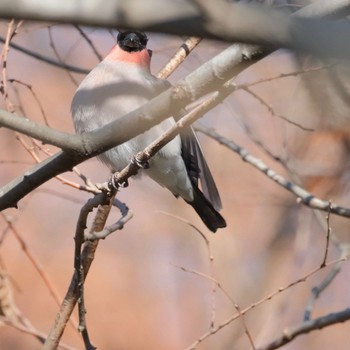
{"x": 180, "y": 55}
{"x": 58, "y": 56}
{"x": 317, "y": 290}
{"x": 45, "y": 59}
{"x": 32, "y": 331}
{"x": 272, "y": 111}
{"x": 4, "y": 88}
{"x": 235, "y": 305}
{"x": 30, "y": 88}
{"x": 285, "y": 75}
{"x": 303, "y": 196}
{"x": 86, "y": 259}
{"x": 210, "y": 257}
{"x": 290, "y": 334}
{"x": 258, "y": 303}
{"x": 89, "y": 42}
{"x": 36, "y": 264}
{"x": 329, "y": 230}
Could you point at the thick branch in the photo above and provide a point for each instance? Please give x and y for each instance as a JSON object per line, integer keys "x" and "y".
{"x": 41, "y": 132}
{"x": 211, "y": 19}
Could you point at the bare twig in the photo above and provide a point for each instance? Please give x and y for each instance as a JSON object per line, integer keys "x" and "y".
{"x": 11, "y": 30}
{"x": 303, "y": 196}
{"x": 36, "y": 264}
{"x": 30, "y": 88}
{"x": 329, "y": 232}
{"x": 93, "y": 235}
{"x": 211, "y": 261}
{"x": 179, "y": 56}
{"x": 285, "y": 75}
{"x": 32, "y": 331}
{"x": 88, "y": 187}
{"x": 317, "y": 290}
{"x": 89, "y": 42}
{"x": 87, "y": 256}
{"x": 258, "y": 303}
{"x": 236, "y": 306}
{"x": 272, "y": 111}
{"x": 46, "y": 59}
{"x": 58, "y": 56}
{"x": 308, "y": 326}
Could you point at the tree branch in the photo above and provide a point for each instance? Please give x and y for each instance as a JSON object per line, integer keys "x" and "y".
{"x": 46, "y": 59}
{"x": 302, "y": 194}
{"x": 308, "y": 326}
{"x": 235, "y": 22}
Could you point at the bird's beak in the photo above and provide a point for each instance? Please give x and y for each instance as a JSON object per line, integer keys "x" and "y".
{"x": 131, "y": 40}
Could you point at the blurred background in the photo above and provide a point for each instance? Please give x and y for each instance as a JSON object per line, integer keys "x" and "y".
{"x": 137, "y": 295}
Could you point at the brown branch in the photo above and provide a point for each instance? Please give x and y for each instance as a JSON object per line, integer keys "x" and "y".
{"x": 180, "y": 55}
{"x": 11, "y": 30}
{"x": 87, "y": 257}
{"x": 36, "y": 264}
{"x": 41, "y": 336}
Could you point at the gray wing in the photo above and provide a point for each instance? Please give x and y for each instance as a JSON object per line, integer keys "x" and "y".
{"x": 198, "y": 168}
{"x": 195, "y": 162}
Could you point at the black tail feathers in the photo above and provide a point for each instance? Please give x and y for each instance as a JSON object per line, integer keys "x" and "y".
{"x": 211, "y": 217}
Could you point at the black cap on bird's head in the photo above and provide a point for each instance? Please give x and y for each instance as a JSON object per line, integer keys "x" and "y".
{"x": 132, "y": 41}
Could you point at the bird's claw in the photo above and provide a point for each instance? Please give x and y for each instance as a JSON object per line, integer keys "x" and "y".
{"x": 104, "y": 187}
{"x": 112, "y": 184}
{"x": 115, "y": 183}
{"x": 139, "y": 162}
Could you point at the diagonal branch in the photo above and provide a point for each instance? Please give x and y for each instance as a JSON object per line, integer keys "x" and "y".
{"x": 46, "y": 59}
{"x": 302, "y": 194}
{"x": 308, "y": 326}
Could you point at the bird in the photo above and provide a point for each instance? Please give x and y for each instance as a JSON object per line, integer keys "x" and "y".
{"x": 123, "y": 82}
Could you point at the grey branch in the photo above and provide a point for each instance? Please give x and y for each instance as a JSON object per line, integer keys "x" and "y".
{"x": 302, "y": 194}
{"x": 308, "y": 326}
{"x": 235, "y": 22}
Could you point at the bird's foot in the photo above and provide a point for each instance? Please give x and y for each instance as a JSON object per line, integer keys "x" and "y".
{"x": 115, "y": 183}
{"x": 112, "y": 184}
{"x": 139, "y": 162}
